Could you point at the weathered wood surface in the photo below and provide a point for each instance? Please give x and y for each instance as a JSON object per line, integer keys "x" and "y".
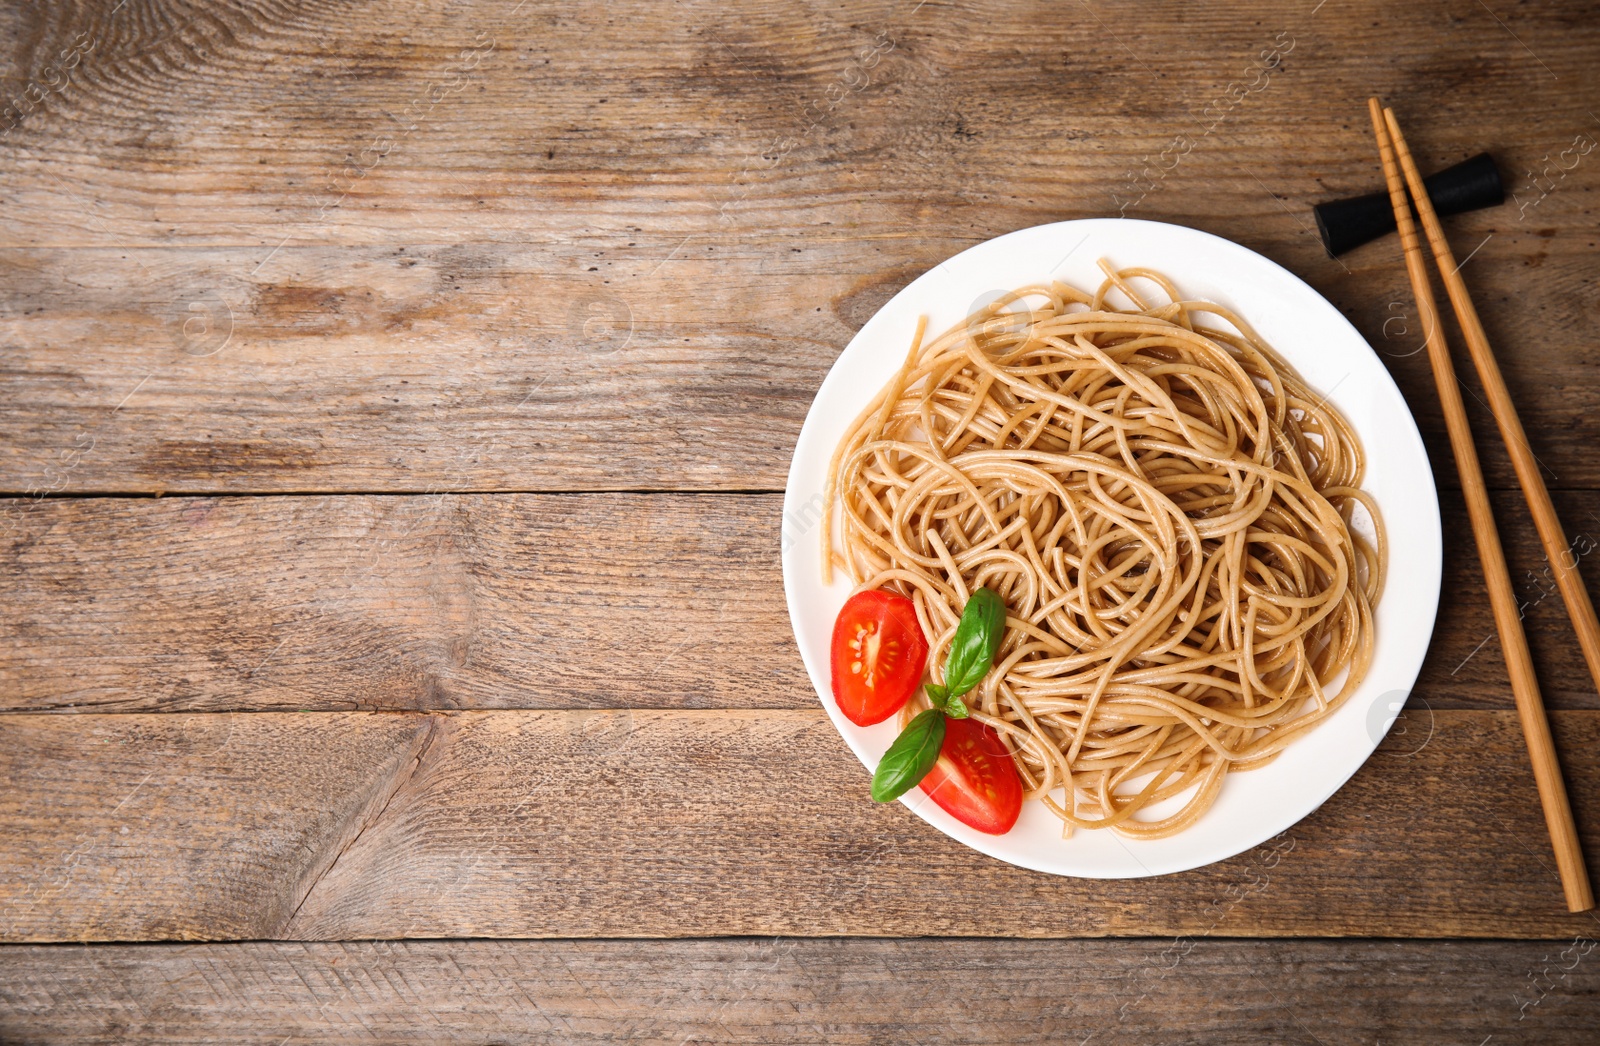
{"x": 339, "y": 826}
{"x": 269, "y": 246}
{"x": 286, "y": 247}
{"x": 239, "y": 123}
{"x": 399, "y": 373}
{"x": 451, "y": 601}
{"x": 1008, "y": 993}
{"x": 523, "y": 601}
{"x": 115, "y": 809}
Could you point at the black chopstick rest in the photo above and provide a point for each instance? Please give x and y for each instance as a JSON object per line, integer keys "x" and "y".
{"x": 1467, "y": 186}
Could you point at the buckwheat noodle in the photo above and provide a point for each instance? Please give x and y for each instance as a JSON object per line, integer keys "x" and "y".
{"x": 1166, "y": 509}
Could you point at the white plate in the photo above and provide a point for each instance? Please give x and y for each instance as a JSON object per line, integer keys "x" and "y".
{"x": 1326, "y": 350}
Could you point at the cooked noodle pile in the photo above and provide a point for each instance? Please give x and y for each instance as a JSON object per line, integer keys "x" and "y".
{"x": 1166, "y": 510}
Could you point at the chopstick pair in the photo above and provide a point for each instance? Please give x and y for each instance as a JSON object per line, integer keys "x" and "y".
{"x": 1508, "y": 619}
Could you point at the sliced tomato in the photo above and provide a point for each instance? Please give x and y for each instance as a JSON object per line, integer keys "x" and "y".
{"x": 878, "y": 655}
{"x": 975, "y": 780}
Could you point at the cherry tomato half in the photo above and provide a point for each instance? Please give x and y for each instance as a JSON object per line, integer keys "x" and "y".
{"x": 975, "y": 780}
{"x": 878, "y": 655}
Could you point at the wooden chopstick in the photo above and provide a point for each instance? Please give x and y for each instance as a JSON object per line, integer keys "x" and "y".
{"x": 1508, "y": 620}
{"x": 1556, "y": 549}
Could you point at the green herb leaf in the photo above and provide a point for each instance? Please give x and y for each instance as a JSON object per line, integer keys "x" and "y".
{"x": 976, "y": 642}
{"x": 910, "y": 758}
{"x": 944, "y": 701}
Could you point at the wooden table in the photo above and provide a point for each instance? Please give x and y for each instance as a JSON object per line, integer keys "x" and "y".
{"x": 397, "y": 400}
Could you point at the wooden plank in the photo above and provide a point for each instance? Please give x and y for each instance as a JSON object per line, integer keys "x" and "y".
{"x": 223, "y": 821}
{"x": 496, "y": 368}
{"x": 574, "y": 269}
{"x": 1134, "y": 992}
{"x": 521, "y": 601}
{"x": 193, "y": 126}
{"x": 652, "y": 824}
{"x": 435, "y": 369}
{"x": 451, "y": 601}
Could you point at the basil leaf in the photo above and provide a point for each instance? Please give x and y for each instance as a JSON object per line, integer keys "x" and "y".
{"x": 976, "y": 642}
{"x": 944, "y": 701}
{"x": 910, "y": 758}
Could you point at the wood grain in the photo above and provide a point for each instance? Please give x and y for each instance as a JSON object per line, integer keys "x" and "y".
{"x": 231, "y": 820}
{"x": 862, "y": 991}
{"x": 193, "y": 124}
{"x": 496, "y": 367}
{"x": 450, "y": 601}
{"x": 521, "y": 601}
{"x": 279, "y": 247}
{"x": 534, "y": 268}
{"x": 339, "y": 826}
